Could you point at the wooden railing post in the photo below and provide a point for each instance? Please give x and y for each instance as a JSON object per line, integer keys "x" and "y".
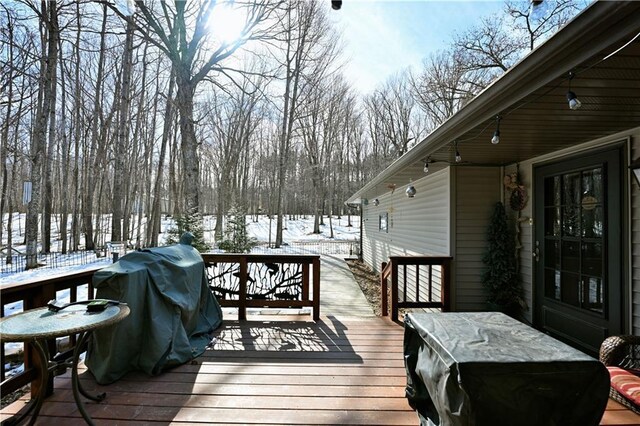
{"x": 385, "y": 290}
{"x": 446, "y": 283}
{"x": 242, "y": 290}
{"x": 316, "y": 288}
{"x": 394, "y": 290}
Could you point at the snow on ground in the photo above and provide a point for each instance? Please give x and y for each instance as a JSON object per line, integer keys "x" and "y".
{"x": 264, "y": 230}
{"x": 298, "y": 230}
{"x": 295, "y": 231}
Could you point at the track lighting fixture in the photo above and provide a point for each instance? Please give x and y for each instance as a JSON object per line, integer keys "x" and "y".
{"x": 496, "y": 135}
{"x": 574, "y": 102}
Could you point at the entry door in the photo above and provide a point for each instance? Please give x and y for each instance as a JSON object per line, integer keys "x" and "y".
{"x": 579, "y": 249}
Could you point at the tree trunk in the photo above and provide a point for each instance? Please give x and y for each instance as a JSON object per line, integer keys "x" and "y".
{"x": 50, "y": 15}
{"x": 189, "y": 146}
{"x": 90, "y": 181}
{"x": 166, "y": 134}
{"x": 4, "y": 138}
{"x": 64, "y": 193}
{"x": 48, "y": 185}
{"x": 122, "y": 136}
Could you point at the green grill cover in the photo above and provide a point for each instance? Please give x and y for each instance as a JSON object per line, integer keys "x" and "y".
{"x": 173, "y": 312}
{"x": 475, "y": 369}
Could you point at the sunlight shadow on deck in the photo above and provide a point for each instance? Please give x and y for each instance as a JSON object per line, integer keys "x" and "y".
{"x": 284, "y": 341}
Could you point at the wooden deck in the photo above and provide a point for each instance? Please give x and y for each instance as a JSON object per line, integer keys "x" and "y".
{"x": 268, "y": 372}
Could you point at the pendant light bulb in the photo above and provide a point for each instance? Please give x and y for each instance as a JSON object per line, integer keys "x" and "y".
{"x": 425, "y": 169}
{"x": 496, "y": 135}
{"x": 458, "y": 156}
{"x": 574, "y": 102}
{"x": 410, "y": 191}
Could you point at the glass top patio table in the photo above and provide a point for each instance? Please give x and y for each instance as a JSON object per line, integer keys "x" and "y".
{"x": 485, "y": 368}
{"x": 45, "y": 324}
{"x": 36, "y": 326}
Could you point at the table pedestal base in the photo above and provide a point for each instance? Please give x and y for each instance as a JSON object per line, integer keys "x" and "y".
{"x": 46, "y": 368}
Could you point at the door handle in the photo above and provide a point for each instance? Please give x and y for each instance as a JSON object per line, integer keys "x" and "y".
{"x": 536, "y": 252}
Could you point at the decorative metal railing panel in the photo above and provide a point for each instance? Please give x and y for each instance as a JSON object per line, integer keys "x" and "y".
{"x": 254, "y": 280}
{"x": 265, "y": 281}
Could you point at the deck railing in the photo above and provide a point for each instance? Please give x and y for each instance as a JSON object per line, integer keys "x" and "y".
{"x": 35, "y": 294}
{"x": 238, "y": 280}
{"x": 413, "y": 291}
{"x": 265, "y": 281}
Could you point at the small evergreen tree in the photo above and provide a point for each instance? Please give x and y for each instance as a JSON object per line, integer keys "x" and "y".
{"x": 500, "y": 277}
{"x": 236, "y": 239}
{"x": 191, "y": 224}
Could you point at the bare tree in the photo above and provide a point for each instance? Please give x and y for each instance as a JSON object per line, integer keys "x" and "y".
{"x": 532, "y": 28}
{"x": 180, "y": 30}
{"x": 443, "y": 86}
{"x": 489, "y": 45}
{"x": 309, "y": 45}
{"x": 452, "y": 77}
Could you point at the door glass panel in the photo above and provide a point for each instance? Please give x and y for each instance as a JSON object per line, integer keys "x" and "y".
{"x": 595, "y": 294}
{"x": 570, "y": 256}
{"x": 552, "y": 221}
{"x": 592, "y": 222}
{"x": 592, "y": 259}
{"x": 570, "y": 290}
{"x": 552, "y": 254}
{"x": 592, "y": 184}
{"x": 572, "y": 189}
{"x": 552, "y": 283}
{"x": 552, "y": 191}
{"x": 571, "y": 221}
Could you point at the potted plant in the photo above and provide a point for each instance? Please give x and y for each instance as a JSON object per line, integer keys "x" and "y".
{"x": 500, "y": 277}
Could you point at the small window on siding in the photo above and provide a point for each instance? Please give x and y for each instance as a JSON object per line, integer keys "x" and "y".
{"x": 383, "y": 222}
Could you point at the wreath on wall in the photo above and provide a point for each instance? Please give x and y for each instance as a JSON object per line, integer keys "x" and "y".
{"x": 518, "y": 198}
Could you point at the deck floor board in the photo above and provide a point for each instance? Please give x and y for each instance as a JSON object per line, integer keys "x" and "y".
{"x": 332, "y": 372}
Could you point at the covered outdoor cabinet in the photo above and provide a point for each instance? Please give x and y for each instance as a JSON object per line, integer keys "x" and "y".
{"x": 485, "y": 368}
{"x": 172, "y": 315}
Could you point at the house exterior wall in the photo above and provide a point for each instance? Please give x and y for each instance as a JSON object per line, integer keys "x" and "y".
{"x": 416, "y": 226}
{"x": 450, "y": 213}
{"x": 631, "y": 223}
{"x": 448, "y": 216}
{"x": 477, "y": 189}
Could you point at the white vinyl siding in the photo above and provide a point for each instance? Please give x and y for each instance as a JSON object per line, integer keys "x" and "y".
{"x": 417, "y": 226}
{"x": 477, "y": 190}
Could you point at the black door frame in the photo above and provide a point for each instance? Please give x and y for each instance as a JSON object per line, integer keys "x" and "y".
{"x": 550, "y": 315}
